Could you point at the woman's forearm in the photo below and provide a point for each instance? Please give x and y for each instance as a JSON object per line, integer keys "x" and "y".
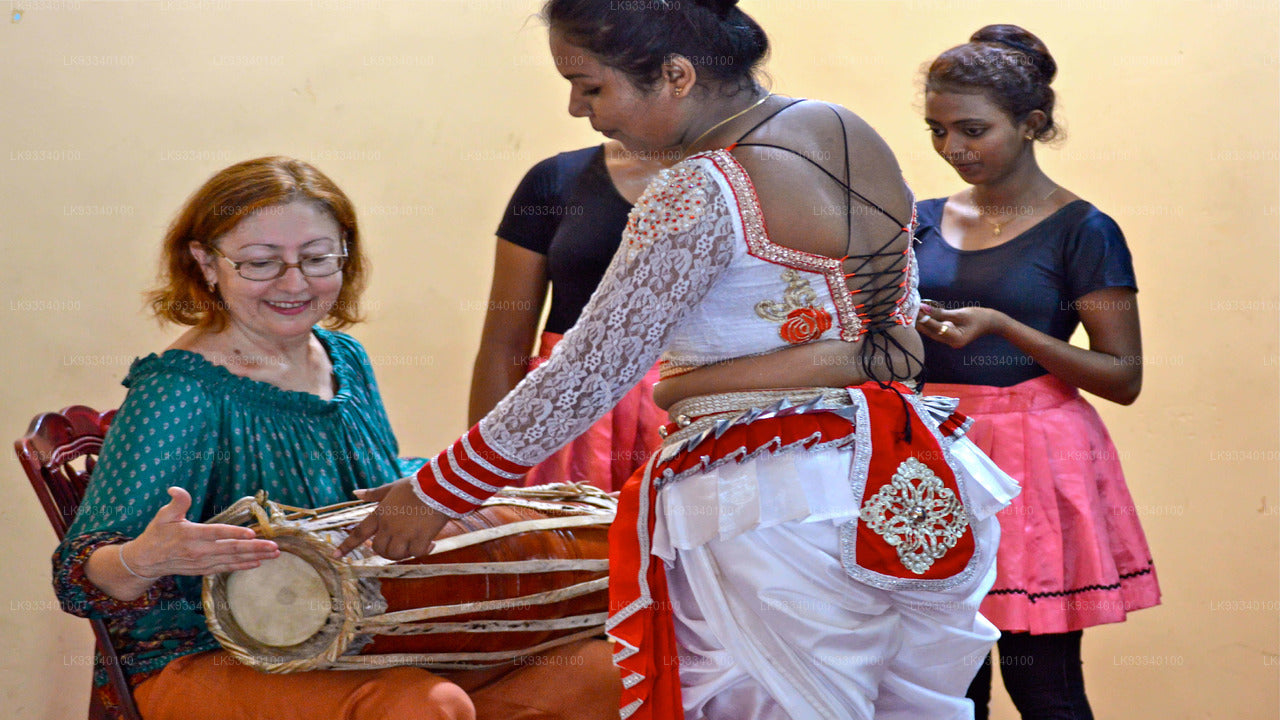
{"x": 1115, "y": 377}
{"x": 1112, "y": 366}
{"x": 498, "y": 368}
{"x": 510, "y": 326}
{"x": 107, "y": 571}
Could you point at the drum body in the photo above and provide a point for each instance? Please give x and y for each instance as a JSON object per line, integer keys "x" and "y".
{"x": 525, "y": 572}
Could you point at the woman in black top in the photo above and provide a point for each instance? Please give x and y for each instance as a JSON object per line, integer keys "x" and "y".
{"x": 1011, "y": 266}
{"x": 560, "y": 230}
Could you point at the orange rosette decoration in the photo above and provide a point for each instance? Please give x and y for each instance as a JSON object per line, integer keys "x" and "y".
{"x": 804, "y": 324}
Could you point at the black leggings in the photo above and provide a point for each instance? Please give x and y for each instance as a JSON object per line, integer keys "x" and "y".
{"x": 1042, "y": 673}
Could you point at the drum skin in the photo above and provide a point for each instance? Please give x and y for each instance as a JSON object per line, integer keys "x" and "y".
{"x": 591, "y": 542}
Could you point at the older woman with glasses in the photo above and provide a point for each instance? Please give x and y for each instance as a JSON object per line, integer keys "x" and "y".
{"x": 256, "y": 396}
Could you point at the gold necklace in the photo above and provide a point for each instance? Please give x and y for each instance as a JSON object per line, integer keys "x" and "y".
{"x": 731, "y": 118}
{"x": 996, "y": 227}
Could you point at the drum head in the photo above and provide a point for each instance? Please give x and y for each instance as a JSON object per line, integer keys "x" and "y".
{"x": 282, "y": 602}
{"x": 286, "y": 614}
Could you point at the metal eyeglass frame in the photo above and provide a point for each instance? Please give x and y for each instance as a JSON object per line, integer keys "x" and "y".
{"x": 284, "y": 266}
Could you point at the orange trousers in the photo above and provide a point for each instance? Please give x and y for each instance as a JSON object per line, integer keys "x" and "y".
{"x": 577, "y": 681}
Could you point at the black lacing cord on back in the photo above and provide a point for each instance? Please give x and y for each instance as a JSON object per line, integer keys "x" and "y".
{"x": 880, "y": 297}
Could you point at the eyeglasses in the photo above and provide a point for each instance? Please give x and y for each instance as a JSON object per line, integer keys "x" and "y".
{"x": 270, "y": 269}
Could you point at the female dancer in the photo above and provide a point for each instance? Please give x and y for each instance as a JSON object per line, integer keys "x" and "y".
{"x": 1012, "y": 265}
{"x": 797, "y": 552}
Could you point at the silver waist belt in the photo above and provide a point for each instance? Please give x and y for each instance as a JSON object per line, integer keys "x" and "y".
{"x": 697, "y": 414}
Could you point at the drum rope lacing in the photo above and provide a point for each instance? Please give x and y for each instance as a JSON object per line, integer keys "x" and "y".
{"x": 356, "y": 614}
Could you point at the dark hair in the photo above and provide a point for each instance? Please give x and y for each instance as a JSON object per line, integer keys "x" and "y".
{"x": 1012, "y": 66}
{"x": 636, "y": 37}
{"x": 225, "y": 199}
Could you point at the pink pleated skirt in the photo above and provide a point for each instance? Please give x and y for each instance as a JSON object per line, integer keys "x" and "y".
{"x": 610, "y": 451}
{"x": 1072, "y": 551}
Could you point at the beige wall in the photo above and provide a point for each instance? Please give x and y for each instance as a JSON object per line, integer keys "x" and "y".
{"x": 428, "y": 113}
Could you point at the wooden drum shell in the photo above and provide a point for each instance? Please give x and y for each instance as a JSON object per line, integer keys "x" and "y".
{"x": 518, "y": 575}
{"x": 580, "y": 543}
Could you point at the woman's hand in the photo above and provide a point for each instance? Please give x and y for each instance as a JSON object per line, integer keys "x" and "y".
{"x": 402, "y": 526}
{"x": 959, "y": 327}
{"x": 173, "y": 545}
{"x": 1112, "y": 366}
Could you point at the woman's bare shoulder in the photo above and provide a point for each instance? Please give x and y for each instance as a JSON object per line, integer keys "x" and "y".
{"x": 821, "y": 131}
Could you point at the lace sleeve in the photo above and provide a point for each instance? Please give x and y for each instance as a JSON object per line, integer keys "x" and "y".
{"x": 679, "y": 238}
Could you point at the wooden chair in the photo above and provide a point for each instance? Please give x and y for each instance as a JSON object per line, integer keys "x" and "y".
{"x": 54, "y": 443}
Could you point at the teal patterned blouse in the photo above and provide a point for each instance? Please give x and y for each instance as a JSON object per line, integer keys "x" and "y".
{"x": 190, "y": 423}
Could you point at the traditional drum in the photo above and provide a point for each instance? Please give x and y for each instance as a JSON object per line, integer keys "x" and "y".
{"x": 525, "y": 572}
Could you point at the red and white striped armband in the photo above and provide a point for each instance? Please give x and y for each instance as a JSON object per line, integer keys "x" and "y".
{"x": 459, "y": 479}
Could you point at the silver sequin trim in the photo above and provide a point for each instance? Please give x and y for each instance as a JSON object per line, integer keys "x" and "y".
{"x": 471, "y": 453}
{"x": 457, "y": 469}
{"x": 630, "y": 710}
{"x": 430, "y": 501}
{"x": 646, "y": 545}
{"x": 449, "y": 487}
{"x": 759, "y": 245}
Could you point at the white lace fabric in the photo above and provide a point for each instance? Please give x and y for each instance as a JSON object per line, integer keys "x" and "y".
{"x": 686, "y": 264}
{"x": 679, "y": 240}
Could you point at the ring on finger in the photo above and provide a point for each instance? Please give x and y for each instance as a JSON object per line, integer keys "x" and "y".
{"x": 943, "y": 329}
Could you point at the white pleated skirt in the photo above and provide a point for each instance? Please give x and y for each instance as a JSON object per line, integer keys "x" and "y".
{"x": 772, "y": 626}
